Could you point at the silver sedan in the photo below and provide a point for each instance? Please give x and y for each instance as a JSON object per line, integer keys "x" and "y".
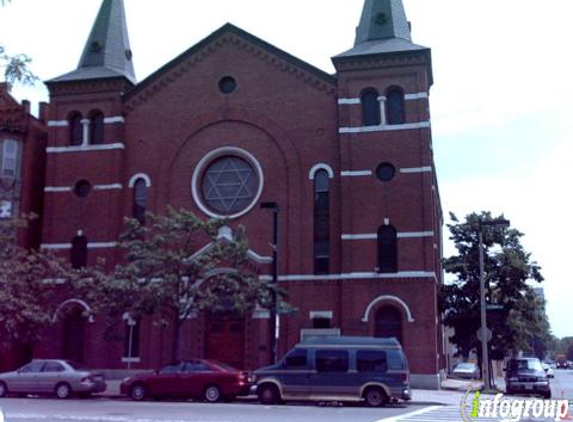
{"x": 60, "y": 377}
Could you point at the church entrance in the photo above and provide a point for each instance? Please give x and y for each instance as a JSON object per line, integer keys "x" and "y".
{"x": 388, "y": 323}
{"x": 225, "y": 339}
{"x": 73, "y": 336}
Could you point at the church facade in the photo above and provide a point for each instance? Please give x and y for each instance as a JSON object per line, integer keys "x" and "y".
{"x": 235, "y": 122}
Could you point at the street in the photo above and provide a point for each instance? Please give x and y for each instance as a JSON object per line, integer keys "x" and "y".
{"x": 106, "y": 409}
{"x": 562, "y": 384}
{"x": 118, "y": 410}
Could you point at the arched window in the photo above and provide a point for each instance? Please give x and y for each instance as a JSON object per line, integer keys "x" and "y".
{"x": 321, "y": 222}
{"x": 79, "y": 252}
{"x": 395, "y": 110}
{"x": 139, "y": 199}
{"x": 388, "y": 323}
{"x": 96, "y": 128}
{"x": 387, "y": 250}
{"x": 76, "y": 129}
{"x": 370, "y": 108}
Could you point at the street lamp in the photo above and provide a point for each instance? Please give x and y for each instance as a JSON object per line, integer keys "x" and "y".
{"x": 273, "y": 314}
{"x": 484, "y": 330}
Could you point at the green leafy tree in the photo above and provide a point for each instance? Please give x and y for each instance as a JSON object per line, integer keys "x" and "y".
{"x": 27, "y": 298}
{"x": 508, "y": 269}
{"x": 16, "y": 67}
{"x": 168, "y": 271}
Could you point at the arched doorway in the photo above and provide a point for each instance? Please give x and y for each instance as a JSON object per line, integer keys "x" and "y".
{"x": 388, "y": 323}
{"x": 73, "y": 334}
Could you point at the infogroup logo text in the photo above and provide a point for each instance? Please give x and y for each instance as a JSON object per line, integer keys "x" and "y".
{"x": 514, "y": 409}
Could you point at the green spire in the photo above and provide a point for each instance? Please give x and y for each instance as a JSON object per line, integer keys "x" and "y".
{"x": 382, "y": 19}
{"x": 107, "y": 52}
{"x": 383, "y": 29}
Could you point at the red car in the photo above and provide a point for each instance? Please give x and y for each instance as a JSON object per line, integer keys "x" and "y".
{"x": 197, "y": 379}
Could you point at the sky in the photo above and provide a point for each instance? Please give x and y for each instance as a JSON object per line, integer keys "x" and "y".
{"x": 501, "y": 104}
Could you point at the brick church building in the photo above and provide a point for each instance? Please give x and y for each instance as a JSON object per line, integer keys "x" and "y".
{"x": 227, "y": 125}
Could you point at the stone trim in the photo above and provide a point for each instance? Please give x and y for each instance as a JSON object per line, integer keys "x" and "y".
{"x": 84, "y": 148}
{"x": 384, "y": 128}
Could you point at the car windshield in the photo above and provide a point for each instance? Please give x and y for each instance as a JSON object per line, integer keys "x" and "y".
{"x": 224, "y": 366}
{"x": 466, "y": 366}
{"x": 526, "y": 364}
{"x": 76, "y": 366}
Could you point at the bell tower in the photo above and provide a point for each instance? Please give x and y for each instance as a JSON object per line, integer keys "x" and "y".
{"x": 84, "y": 177}
{"x": 390, "y": 202}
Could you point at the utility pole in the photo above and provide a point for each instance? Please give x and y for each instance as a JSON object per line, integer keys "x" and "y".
{"x": 483, "y": 304}
{"x": 273, "y": 314}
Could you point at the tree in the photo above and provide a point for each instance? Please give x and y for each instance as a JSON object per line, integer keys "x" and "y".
{"x": 169, "y": 271}
{"x": 27, "y": 299}
{"x": 519, "y": 317}
{"x": 16, "y": 67}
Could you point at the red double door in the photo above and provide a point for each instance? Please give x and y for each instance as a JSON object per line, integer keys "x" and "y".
{"x": 225, "y": 339}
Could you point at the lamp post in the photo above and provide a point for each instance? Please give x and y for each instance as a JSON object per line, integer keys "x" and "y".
{"x": 273, "y": 314}
{"x": 483, "y": 305}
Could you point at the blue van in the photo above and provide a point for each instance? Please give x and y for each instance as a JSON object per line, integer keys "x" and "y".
{"x": 342, "y": 368}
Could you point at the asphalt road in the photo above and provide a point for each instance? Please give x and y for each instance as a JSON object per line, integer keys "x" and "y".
{"x": 107, "y": 410}
{"x": 562, "y": 384}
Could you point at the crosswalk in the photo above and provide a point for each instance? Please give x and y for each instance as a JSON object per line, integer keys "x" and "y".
{"x": 437, "y": 414}
{"x": 453, "y": 413}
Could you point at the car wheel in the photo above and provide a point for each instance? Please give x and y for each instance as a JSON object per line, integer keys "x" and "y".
{"x": 3, "y": 389}
{"x": 547, "y": 395}
{"x": 63, "y": 391}
{"x": 138, "y": 392}
{"x": 212, "y": 394}
{"x": 375, "y": 397}
{"x": 268, "y": 394}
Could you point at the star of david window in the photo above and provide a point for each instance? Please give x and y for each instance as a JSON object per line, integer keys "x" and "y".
{"x": 229, "y": 185}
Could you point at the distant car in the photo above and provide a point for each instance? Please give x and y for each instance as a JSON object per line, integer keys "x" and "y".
{"x": 548, "y": 370}
{"x": 466, "y": 370}
{"x": 198, "y": 379}
{"x": 526, "y": 376}
{"x": 63, "y": 378}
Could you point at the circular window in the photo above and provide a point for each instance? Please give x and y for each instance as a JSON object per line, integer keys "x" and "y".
{"x": 227, "y": 183}
{"x": 82, "y": 188}
{"x": 385, "y": 172}
{"x": 227, "y": 84}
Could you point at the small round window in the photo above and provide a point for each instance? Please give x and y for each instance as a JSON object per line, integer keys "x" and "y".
{"x": 82, "y": 188}
{"x": 385, "y": 172}
{"x": 227, "y": 84}
{"x": 229, "y": 185}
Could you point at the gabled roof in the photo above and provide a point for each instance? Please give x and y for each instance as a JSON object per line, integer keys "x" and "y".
{"x": 229, "y": 28}
{"x": 383, "y": 29}
{"x": 107, "y": 53}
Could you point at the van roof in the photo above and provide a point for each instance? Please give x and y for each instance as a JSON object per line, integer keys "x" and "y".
{"x": 349, "y": 341}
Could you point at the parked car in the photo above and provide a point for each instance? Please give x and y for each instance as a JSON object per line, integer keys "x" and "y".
{"x": 548, "y": 370}
{"x": 197, "y": 379}
{"x": 526, "y": 376}
{"x": 466, "y": 370}
{"x": 341, "y": 368}
{"x": 63, "y": 378}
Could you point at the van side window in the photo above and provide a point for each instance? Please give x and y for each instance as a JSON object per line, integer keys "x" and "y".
{"x": 296, "y": 359}
{"x": 331, "y": 360}
{"x": 371, "y": 361}
{"x": 396, "y": 360}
